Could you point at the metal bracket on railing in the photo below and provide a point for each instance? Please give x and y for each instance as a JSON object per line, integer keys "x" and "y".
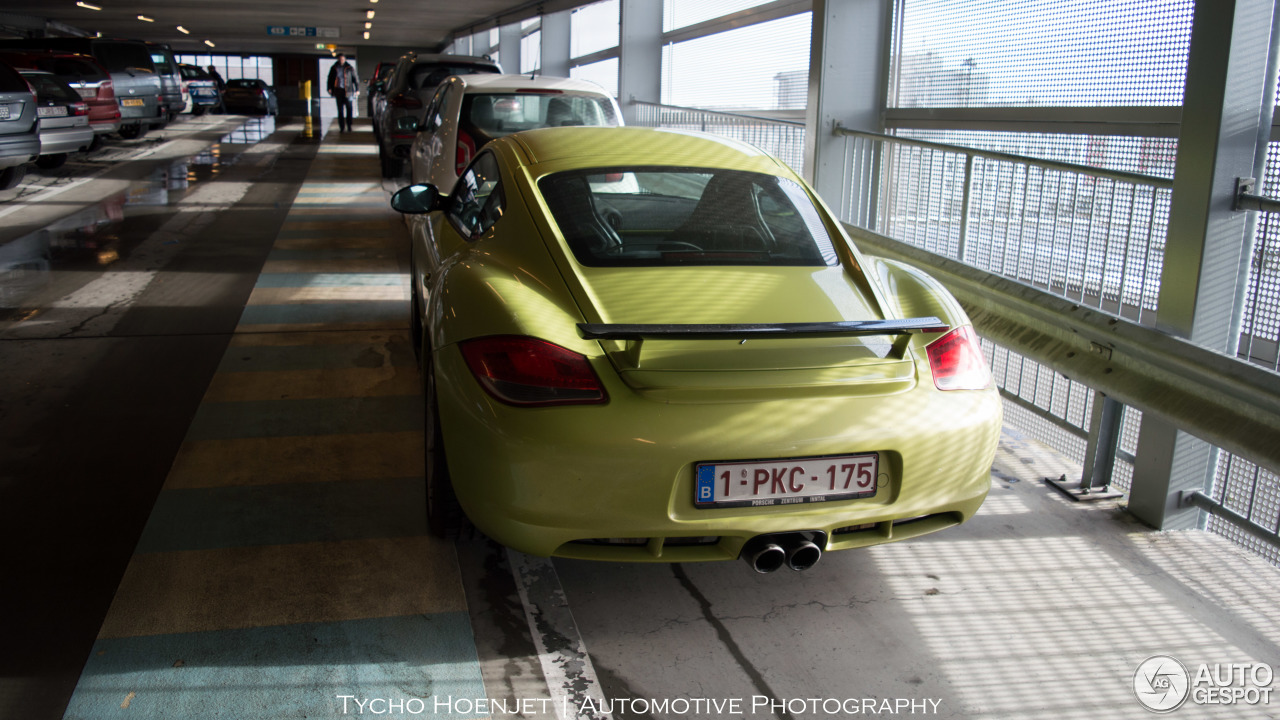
{"x": 1100, "y": 453}
{"x": 1245, "y": 199}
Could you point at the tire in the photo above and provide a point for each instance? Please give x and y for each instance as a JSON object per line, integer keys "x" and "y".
{"x": 51, "y": 162}
{"x": 11, "y": 176}
{"x": 98, "y": 141}
{"x": 390, "y": 166}
{"x": 445, "y": 518}
{"x": 198, "y": 110}
{"x": 133, "y": 132}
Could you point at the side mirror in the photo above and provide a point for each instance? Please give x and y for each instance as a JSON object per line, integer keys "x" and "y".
{"x": 378, "y": 85}
{"x": 417, "y": 199}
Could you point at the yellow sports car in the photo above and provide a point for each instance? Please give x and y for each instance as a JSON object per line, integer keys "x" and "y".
{"x": 661, "y": 346}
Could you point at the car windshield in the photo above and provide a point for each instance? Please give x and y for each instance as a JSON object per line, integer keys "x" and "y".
{"x": 495, "y": 115}
{"x": 686, "y": 216}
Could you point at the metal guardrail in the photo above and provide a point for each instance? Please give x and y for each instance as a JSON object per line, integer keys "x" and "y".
{"x": 1093, "y": 235}
{"x": 784, "y": 139}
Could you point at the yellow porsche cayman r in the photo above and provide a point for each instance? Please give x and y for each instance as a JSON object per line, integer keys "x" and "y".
{"x": 651, "y": 345}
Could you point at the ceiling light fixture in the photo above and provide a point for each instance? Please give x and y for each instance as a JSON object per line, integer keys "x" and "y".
{"x": 144, "y": 18}
{"x": 183, "y": 30}
{"x": 369, "y": 14}
{"x": 87, "y": 6}
{"x": 366, "y": 34}
{"x": 209, "y": 43}
{"x": 368, "y": 26}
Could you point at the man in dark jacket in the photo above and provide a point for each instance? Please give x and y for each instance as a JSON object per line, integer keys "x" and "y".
{"x": 343, "y": 86}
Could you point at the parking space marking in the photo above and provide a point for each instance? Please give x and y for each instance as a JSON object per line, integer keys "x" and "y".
{"x": 571, "y": 678}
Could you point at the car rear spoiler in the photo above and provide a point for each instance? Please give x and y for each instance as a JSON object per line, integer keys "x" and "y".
{"x": 902, "y": 330}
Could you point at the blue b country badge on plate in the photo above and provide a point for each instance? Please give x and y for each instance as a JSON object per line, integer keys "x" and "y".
{"x": 706, "y": 484}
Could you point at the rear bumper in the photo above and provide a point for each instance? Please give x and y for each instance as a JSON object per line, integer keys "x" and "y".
{"x": 18, "y": 149}
{"x": 569, "y": 481}
{"x": 65, "y": 140}
{"x": 104, "y": 127}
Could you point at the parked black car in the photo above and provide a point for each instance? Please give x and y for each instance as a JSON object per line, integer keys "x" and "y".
{"x": 252, "y": 95}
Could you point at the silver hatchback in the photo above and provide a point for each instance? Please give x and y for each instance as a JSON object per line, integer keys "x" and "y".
{"x": 64, "y": 118}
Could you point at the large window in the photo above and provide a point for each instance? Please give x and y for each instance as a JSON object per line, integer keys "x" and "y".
{"x": 976, "y": 53}
{"x": 593, "y": 28}
{"x": 531, "y": 52}
{"x": 759, "y": 67}
{"x": 683, "y": 13}
{"x": 234, "y": 66}
{"x": 603, "y": 73}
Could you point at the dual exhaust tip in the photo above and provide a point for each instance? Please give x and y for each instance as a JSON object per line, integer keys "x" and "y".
{"x": 766, "y": 553}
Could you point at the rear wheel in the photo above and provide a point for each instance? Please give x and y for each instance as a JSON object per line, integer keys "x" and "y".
{"x": 11, "y": 176}
{"x": 132, "y": 132}
{"x": 98, "y": 142}
{"x": 50, "y": 162}
{"x": 198, "y": 110}
{"x": 445, "y": 518}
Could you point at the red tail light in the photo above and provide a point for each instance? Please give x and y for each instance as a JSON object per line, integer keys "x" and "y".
{"x": 466, "y": 150}
{"x": 408, "y": 102}
{"x": 956, "y": 361}
{"x": 106, "y": 91}
{"x": 529, "y": 372}
{"x": 79, "y": 109}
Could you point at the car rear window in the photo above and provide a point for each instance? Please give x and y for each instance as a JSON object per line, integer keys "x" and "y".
{"x": 686, "y": 216}
{"x": 161, "y": 61}
{"x": 11, "y": 81}
{"x": 50, "y": 89}
{"x": 496, "y": 114}
{"x": 72, "y": 69}
{"x": 244, "y": 84}
{"x": 427, "y": 76}
{"x": 121, "y": 56}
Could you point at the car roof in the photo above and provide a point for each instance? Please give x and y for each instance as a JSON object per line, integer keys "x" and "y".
{"x": 515, "y": 83}
{"x": 446, "y": 59}
{"x": 584, "y": 147}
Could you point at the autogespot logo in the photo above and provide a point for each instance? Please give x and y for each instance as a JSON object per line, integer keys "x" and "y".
{"x": 1161, "y": 684}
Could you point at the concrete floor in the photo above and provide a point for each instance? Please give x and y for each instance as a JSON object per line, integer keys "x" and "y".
{"x": 218, "y": 468}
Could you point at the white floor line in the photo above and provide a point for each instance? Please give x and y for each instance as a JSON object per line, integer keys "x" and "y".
{"x": 571, "y": 679}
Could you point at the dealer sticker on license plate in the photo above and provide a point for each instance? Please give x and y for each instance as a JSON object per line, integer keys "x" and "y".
{"x": 133, "y": 102}
{"x": 785, "y": 482}
{"x": 4, "y": 112}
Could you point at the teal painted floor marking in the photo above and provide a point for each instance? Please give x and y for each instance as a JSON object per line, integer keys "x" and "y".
{"x": 393, "y": 313}
{"x": 226, "y": 517}
{"x": 296, "y": 280}
{"x": 270, "y": 358}
{"x": 288, "y": 418}
{"x": 274, "y": 673}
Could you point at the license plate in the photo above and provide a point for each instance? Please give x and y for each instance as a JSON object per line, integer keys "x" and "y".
{"x": 54, "y": 111}
{"x": 132, "y": 102}
{"x": 786, "y": 482}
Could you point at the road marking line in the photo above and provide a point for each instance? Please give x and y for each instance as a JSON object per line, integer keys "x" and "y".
{"x": 571, "y": 678}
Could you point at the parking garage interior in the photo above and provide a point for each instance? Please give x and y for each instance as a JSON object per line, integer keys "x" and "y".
{"x": 212, "y": 417}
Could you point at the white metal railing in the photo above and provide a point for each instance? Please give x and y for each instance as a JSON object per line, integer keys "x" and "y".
{"x": 784, "y": 139}
{"x": 1093, "y": 235}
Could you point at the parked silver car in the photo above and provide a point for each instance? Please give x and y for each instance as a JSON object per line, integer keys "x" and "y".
{"x": 64, "y": 118}
{"x": 19, "y": 127}
{"x": 408, "y": 90}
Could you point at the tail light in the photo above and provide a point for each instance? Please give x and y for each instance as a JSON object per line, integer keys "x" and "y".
{"x": 407, "y": 102}
{"x": 79, "y": 108}
{"x": 956, "y": 361}
{"x": 106, "y": 90}
{"x": 466, "y": 151}
{"x": 529, "y": 372}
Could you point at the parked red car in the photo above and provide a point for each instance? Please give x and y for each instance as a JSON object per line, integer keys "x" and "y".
{"x": 85, "y": 75}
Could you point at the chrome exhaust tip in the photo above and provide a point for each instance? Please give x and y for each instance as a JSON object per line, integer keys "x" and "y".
{"x": 766, "y": 558}
{"x": 803, "y": 555}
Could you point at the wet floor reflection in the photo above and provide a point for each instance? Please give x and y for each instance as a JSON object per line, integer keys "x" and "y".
{"x": 90, "y": 238}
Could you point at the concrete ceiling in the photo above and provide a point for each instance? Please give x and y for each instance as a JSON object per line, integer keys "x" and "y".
{"x": 240, "y": 26}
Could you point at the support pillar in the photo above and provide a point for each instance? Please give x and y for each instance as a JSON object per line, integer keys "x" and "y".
{"x": 640, "y": 55}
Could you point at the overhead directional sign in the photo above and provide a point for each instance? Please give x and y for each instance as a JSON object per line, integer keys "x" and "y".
{"x": 289, "y": 31}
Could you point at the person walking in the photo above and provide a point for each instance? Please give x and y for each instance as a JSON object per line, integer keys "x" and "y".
{"x": 343, "y": 86}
